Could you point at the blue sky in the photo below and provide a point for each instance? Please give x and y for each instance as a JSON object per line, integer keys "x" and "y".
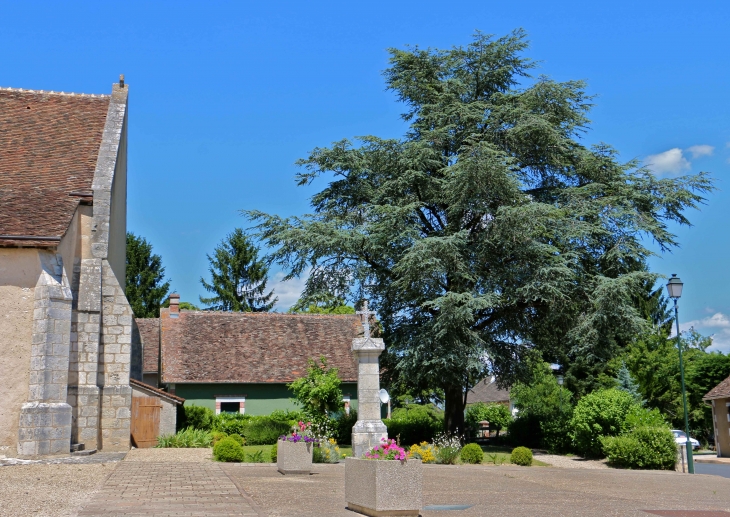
{"x": 224, "y": 97}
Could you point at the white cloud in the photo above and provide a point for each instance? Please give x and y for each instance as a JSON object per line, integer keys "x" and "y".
{"x": 671, "y": 162}
{"x": 288, "y": 292}
{"x": 717, "y": 325}
{"x": 697, "y": 151}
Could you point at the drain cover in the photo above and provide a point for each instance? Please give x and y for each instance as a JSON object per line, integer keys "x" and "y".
{"x": 689, "y": 513}
{"x": 446, "y": 507}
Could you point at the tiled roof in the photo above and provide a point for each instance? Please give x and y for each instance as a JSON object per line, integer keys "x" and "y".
{"x": 228, "y": 347}
{"x": 486, "y": 391}
{"x": 157, "y": 391}
{"x": 720, "y": 391}
{"x": 149, "y": 332}
{"x": 49, "y": 143}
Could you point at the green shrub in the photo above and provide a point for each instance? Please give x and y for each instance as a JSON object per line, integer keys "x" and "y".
{"x": 415, "y": 423}
{"x": 256, "y": 430}
{"x": 343, "y": 424}
{"x": 218, "y": 436}
{"x": 284, "y": 415}
{"x": 521, "y": 456}
{"x": 238, "y": 438}
{"x": 274, "y": 452}
{"x": 601, "y": 413}
{"x": 186, "y": 439}
{"x": 255, "y": 457}
{"x": 231, "y": 423}
{"x": 197, "y": 417}
{"x": 498, "y": 416}
{"x": 642, "y": 448}
{"x": 556, "y": 433}
{"x": 228, "y": 449}
{"x": 448, "y": 448}
{"x": 472, "y": 453}
{"x": 326, "y": 452}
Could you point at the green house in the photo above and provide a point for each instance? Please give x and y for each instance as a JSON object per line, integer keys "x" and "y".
{"x": 242, "y": 362}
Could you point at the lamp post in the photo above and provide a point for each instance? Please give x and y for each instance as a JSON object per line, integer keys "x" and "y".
{"x": 674, "y": 286}
{"x": 560, "y": 404}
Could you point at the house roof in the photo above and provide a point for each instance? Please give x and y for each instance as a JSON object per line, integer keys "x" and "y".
{"x": 49, "y": 144}
{"x": 487, "y": 391}
{"x": 720, "y": 391}
{"x": 235, "y": 347}
{"x": 149, "y": 333}
{"x": 156, "y": 391}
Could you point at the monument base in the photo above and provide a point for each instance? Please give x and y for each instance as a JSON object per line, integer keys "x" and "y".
{"x": 366, "y": 434}
{"x": 45, "y": 430}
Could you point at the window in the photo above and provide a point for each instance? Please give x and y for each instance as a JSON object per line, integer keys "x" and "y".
{"x": 230, "y": 404}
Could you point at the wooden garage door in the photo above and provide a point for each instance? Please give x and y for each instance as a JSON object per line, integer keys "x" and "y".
{"x": 145, "y": 421}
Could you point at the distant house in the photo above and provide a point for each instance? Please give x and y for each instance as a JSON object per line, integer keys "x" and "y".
{"x": 242, "y": 361}
{"x": 719, "y": 396}
{"x": 487, "y": 391}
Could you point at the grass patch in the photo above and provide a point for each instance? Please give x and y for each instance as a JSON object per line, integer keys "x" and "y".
{"x": 501, "y": 455}
{"x": 261, "y": 451}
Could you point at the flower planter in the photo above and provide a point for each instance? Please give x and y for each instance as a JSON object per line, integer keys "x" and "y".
{"x": 384, "y": 488}
{"x": 294, "y": 457}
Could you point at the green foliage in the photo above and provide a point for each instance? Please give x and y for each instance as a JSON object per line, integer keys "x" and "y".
{"x": 197, "y": 417}
{"x": 228, "y": 449}
{"x": 498, "y": 416}
{"x": 642, "y": 448}
{"x": 218, "y": 436}
{"x": 256, "y": 457}
{"x": 488, "y": 225}
{"x": 544, "y": 411}
{"x": 144, "y": 287}
{"x": 521, "y": 456}
{"x": 342, "y": 424}
{"x": 625, "y": 382}
{"x": 238, "y": 438}
{"x": 601, "y": 413}
{"x": 415, "y": 423}
{"x": 255, "y": 430}
{"x": 321, "y": 303}
{"x": 186, "y": 439}
{"x": 274, "y": 452}
{"x": 448, "y": 448}
{"x": 319, "y": 391}
{"x": 238, "y": 277}
{"x": 327, "y": 451}
{"x": 472, "y": 453}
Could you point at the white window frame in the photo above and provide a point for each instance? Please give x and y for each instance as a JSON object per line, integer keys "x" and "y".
{"x": 236, "y": 398}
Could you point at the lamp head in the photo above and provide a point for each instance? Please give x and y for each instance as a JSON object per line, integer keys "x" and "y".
{"x": 560, "y": 380}
{"x": 674, "y": 287}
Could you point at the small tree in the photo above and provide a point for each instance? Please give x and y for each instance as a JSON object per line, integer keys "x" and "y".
{"x": 319, "y": 391}
{"x": 238, "y": 277}
{"x": 498, "y": 416}
{"x": 627, "y": 383}
{"x": 145, "y": 288}
{"x": 601, "y": 413}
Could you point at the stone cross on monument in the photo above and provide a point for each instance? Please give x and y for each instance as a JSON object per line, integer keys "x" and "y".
{"x": 369, "y": 428}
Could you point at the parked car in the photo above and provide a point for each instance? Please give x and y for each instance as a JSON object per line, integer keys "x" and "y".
{"x": 681, "y": 438}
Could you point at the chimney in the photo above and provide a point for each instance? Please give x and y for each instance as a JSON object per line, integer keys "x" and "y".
{"x": 174, "y": 305}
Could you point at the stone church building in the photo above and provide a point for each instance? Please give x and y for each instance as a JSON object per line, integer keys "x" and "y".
{"x": 68, "y": 342}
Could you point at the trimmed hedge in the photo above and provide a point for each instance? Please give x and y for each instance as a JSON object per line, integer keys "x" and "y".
{"x": 415, "y": 424}
{"x": 472, "y": 453}
{"x": 522, "y": 456}
{"x": 642, "y": 448}
{"x": 228, "y": 449}
{"x": 255, "y": 430}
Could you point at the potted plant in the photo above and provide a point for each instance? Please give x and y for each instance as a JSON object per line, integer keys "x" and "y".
{"x": 294, "y": 451}
{"x": 386, "y": 482}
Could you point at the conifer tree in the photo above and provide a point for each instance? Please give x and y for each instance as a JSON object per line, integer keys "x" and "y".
{"x": 238, "y": 277}
{"x": 627, "y": 383}
{"x": 144, "y": 288}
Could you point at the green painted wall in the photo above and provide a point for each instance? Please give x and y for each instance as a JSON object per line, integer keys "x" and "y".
{"x": 261, "y": 399}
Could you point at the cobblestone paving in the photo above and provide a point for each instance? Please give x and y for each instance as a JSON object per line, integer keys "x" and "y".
{"x": 166, "y": 489}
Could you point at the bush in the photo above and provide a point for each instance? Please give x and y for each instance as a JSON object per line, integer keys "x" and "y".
{"x": 498, "y": 416}
{"x": 186, "y": 439}
{"x": 415, "y": 424}
{"x": 197, "y": 417}
{"x": 238, "y": 439}
{"x": 448, "y": 448}
{"x": 274, "y": 452}
{"x": 255, "y": 430}
{"x": 521, "y": 456}
{"x": 472, "y": 453}
{"x": 642, "y": 448}
{"x": 424, "y": 452}
{"x": 228, "y": 449}
{"x": 556, "y": 433}
{"x": 601, "y": 413}
{"x": 343, "y": 423}
{"x": 231, "y": 423}
{"x": 218, "y": 436}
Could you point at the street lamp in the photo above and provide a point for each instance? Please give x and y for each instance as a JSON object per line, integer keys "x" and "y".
{"x": 674, "y": 286}
{"x": 560, "y": 383}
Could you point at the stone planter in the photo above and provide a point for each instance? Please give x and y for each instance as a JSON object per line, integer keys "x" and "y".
{"x": 294, "y": 457}
{"x": 384, "y": 488}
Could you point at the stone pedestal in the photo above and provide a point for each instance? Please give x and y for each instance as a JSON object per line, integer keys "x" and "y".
{"x": 369, "y": 429}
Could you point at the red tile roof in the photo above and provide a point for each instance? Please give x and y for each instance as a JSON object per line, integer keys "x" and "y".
{"x": 229, "y": 347}
{"x": 149, "y": 332}
{"x": 720, "y": 391}
{"x": 49, "y": 143}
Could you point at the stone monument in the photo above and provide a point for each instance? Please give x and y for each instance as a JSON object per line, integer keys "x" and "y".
{"x": 369, "y": 428}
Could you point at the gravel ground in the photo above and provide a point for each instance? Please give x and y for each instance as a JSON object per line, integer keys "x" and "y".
{"x": 170, "y": 455}
{"x": 571, "y": 462}
{"x": 49, "y": 490}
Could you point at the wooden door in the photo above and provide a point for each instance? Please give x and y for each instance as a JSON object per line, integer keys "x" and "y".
{"x": 145, "y": 421}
